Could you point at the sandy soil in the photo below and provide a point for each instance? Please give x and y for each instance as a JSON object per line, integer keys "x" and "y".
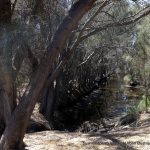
{"x": 125, "y": 138}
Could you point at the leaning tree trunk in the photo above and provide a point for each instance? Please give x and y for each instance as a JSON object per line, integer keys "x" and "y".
{"x": 15, "y": 130}
{"x": 7, "y": 88}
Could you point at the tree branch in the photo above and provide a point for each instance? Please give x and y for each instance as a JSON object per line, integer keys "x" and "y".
{"x": 14, "y": 132}
{"x": 123, "y": 22}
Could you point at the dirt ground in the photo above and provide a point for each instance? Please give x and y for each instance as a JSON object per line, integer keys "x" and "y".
{"x": 125, "y": 138}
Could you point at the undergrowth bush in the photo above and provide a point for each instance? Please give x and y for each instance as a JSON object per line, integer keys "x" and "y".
{"x": 142, "y": 104}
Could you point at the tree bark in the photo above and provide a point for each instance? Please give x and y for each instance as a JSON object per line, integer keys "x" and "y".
{"x": 15, "y": 130}
{"x": 49, "y": 100}
{"x": 7, "y": 88}
{"x": 5, "y": 11}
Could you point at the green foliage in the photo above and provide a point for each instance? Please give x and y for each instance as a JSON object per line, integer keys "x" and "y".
{"x": 142, "y": 104}
{"x": 135, "y": 110}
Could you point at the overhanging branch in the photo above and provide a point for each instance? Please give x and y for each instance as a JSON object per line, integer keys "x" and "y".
{"x": 123, "y": 22}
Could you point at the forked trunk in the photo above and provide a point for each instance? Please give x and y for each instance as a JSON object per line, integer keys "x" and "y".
{"x": 14, "y": 132}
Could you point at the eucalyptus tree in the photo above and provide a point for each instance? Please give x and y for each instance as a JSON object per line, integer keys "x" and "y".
{"x": 15, "y": 130}
{"x": 15, "y": 118}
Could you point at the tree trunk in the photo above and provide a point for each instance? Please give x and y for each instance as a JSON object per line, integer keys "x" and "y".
{"x": 5, "y": 11}
{"x": 7, "y": 88}
{"x": 15, "y": 130}
{"x": 49, "y": 100}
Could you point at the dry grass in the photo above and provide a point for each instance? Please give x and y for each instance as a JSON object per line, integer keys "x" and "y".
{"x": 126, "y": 138}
